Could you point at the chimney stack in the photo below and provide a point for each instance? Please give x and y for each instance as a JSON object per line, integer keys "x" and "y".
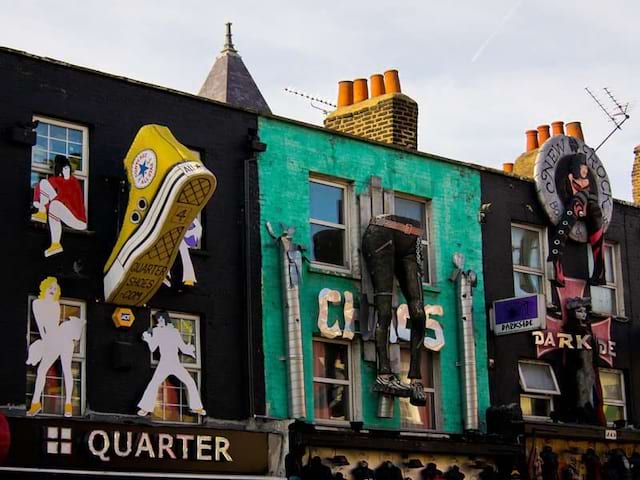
{"x": 635, "y": 175}
{"x": 377, "y": 85}
{"x": 360, "y": 90}
{"x": 389, "y": 116}
{"x": 345, "y": 93}
{"x": 543, "y": 134}
{"x": 574, "y": 129}
{"x": 532, "y": 140}
{"x": 557, "y": 128}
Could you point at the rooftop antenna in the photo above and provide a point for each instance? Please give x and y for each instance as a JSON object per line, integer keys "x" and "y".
{"x": 311, "y": 99}
{"x": 619, "y": 110}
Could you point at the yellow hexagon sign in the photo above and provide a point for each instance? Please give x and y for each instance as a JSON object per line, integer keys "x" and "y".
{"x": 123, "y": 317}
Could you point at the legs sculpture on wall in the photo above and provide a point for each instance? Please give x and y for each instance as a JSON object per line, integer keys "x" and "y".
{"x": 392, "y": 249}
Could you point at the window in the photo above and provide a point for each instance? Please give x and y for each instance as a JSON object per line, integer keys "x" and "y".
{"x": 615, "y": 406}
{"x": 418, "y": 210}
{"x": 538, "y": 381}
{"x": 53, "y": 394}
{"x": 55, "y": 137}
{"x": 607, "y": 298}
{"x": 328, "y": 219}
{"x": 412, "y": 417}
{"x": 172, "y": 404}
{"x": 331, "y": 380}
{"x": 528, "y": 256}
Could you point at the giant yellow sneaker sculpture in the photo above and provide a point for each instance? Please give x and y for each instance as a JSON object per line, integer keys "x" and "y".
{"x": 168, "y": 186}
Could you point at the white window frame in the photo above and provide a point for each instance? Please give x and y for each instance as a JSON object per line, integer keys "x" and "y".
{"x": 540, "y": 397}
{"x": 616, "y": 285}
{"x": 435, "y": 374}
{"x": 190, "y": 367}
{"x": 82, "y": 174}
{"x": 544, "y": 249}
{"x": 527, "y": 389}
{"x": 81, "y": 356}
{"x": 349, "y": 383}
{"x": 538, "y": 393}
{"x": 347, "y": 254}
{"x": 616, "y": 403}
{"x": 425, "y": 241}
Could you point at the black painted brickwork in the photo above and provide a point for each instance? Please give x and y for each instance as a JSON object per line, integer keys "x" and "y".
{"x": 113, "y": 110}
{"x": 514, "y": 200}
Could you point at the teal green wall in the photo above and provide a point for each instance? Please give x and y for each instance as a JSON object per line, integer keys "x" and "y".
{"x": 293, "y": 152}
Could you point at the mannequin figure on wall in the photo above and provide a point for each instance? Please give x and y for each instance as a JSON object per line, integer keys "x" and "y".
{"x": 59, "y": 199}
{"x": 165, "y": 337}
{"x": 57, "y": 340}
{"x": 392, "y": 249}
{"x": 582, "y": 204}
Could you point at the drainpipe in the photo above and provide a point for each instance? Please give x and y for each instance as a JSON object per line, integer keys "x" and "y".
{"x": 291, "y": 260}
{"x": 465, "y": 281}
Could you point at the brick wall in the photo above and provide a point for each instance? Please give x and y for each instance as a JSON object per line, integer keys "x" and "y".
{"x": 635, "y": 176}
{"x": 390, "y": 118}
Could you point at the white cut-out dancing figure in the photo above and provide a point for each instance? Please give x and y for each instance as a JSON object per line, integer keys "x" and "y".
{"x": 168, "y": 339}
{"x": 191, "y": 240}
{"x": 56, "y": 341}
{"x": 59, "y": 199}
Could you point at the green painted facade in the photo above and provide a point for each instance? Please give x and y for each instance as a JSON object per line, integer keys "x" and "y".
{"x": 294, "y": 152}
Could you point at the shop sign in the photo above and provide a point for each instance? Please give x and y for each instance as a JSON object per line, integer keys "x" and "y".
{"x": 135, "y": 448}
{"x": 573, "y": 342}
{"x": 519, "y": 314}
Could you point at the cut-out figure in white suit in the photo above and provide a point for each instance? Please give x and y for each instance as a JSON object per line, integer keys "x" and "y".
{"x": 168, "y": 339}
{"x": 56, "y": 341}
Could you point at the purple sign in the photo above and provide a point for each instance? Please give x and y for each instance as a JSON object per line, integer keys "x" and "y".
{"x": 519, "y": 314}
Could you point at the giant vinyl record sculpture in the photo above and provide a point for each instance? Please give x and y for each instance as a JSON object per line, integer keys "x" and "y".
{"x": 574, "y": 190}
{"x": 169, "y": 186}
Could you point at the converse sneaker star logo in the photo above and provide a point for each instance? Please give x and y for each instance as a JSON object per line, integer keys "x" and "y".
{"x": 144, "y": 168}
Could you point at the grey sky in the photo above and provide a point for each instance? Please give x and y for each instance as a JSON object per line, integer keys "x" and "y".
{"x": 482, "y": 72}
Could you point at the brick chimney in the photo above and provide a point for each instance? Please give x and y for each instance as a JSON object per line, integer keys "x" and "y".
{"x": 635, "y": 175}
{"x": 389, "y": 116}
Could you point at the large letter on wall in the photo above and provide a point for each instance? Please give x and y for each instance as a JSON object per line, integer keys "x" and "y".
{"x": 325, "y": 297}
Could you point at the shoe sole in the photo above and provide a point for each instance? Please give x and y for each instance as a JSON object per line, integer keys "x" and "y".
{"x": 391, "y": 391}
{"x": 144, "y": 260}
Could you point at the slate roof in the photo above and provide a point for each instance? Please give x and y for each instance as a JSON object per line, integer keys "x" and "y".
{"x": 229, "y": 81}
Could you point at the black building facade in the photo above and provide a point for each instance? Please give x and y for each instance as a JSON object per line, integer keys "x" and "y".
{"x": 538, "y": 371}
{"x": 92, "y": 119}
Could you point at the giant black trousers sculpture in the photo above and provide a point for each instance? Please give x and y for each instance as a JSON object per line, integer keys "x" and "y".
{"x": 391, "y": 247}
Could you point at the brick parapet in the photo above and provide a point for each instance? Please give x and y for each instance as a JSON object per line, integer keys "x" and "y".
{"x": 635, "y": 175}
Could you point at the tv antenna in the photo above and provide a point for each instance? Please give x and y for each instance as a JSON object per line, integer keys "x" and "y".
{"x": 312, "y": 99}
{"x": 618, "y": 115}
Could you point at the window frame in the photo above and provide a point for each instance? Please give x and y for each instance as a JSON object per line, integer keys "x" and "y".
{"x": 544, "y": 250}
{"x": 348, "y": 253}
{"x": 80, "y": 357}
{"x": 616, "y": 285}
{"x": 190, "y": 367}
{"x": 538, "y": 393}
{"x": 426, "y": 240}
{"x": 526, "y": 389}
{"x": 349, "y": 383}
{"x": 434, "y": 364}
{"x": 83, "y": 174}
{"x": 539, "y": 397}
{"x": 616, "y": 403}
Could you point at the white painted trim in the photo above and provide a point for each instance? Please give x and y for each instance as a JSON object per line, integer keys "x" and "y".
{"x": 523, "y": 384}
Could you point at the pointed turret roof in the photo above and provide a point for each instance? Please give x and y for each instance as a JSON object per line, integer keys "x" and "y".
{"x": 229, "y": 80}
